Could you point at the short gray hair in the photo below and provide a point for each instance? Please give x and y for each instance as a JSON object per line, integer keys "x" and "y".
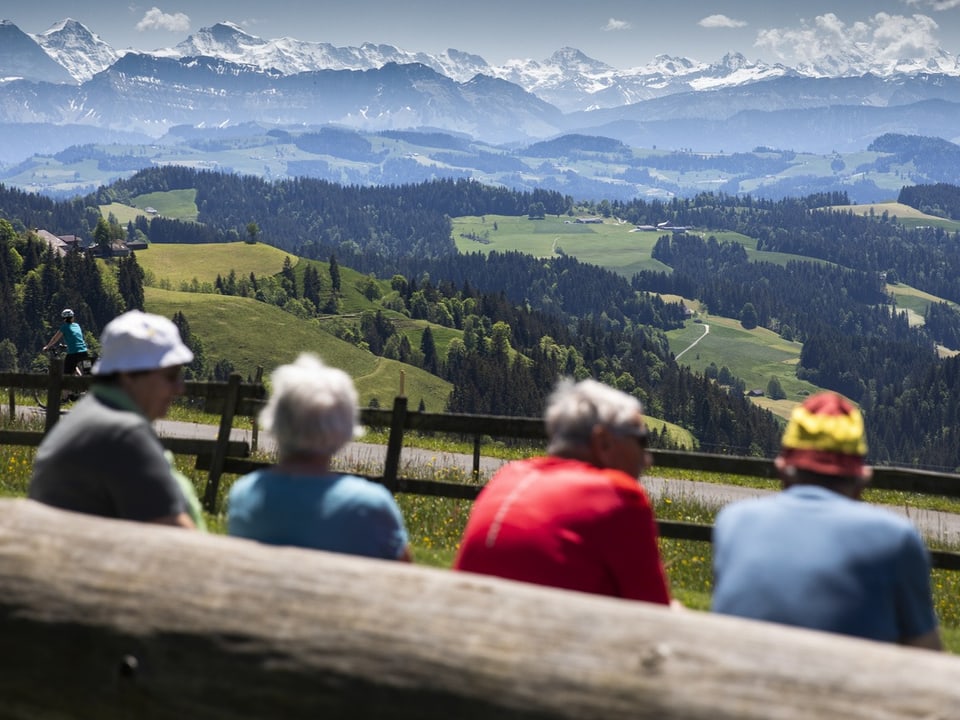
{"x": 312, "y": 408}
{"x": 575, "y": 408}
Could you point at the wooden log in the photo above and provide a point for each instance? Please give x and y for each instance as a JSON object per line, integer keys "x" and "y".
{"x": 109, "y": 619}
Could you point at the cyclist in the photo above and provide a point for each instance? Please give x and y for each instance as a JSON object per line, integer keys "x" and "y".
{"x": 72, "y": 336}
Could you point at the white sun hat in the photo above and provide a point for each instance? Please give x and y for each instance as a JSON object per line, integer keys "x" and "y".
{"x": 140, "y": 341}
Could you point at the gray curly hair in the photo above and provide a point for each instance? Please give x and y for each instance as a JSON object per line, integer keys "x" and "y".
{"x": 312, "y": 408}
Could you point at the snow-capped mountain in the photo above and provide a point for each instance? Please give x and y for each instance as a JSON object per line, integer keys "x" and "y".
{"x": 81, "y": 53}
{"x": 22, "y": 57}
{"x": 569, "y": 80}
{"x": 288, "y": 56}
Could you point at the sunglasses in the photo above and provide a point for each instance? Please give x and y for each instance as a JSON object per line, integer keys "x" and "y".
{"x": 642, "y": 437}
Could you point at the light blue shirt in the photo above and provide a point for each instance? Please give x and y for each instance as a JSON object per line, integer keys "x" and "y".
{"x": 339, "y": 513}
{"x": 811, "y": 557}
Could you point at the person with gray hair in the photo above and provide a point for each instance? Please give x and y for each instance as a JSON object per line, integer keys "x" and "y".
{"x": 312, "y": 413}
{"x": 577, "y": 518}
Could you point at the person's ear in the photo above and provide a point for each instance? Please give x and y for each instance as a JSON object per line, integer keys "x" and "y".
{"x": 600, "y": 443}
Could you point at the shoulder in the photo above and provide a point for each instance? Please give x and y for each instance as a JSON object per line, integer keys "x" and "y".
{"x": 354, "y": 484}
{"x": 245, "y": 482}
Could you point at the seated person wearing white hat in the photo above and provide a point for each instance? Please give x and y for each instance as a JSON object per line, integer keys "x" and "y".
{"x": 104, "y": 458}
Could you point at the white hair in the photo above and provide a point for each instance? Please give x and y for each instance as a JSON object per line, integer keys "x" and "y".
{"x": 575, "y": 408}
{"x": 312, "y": 408}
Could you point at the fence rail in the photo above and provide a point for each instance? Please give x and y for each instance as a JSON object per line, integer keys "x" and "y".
{"x": 236, "y": 398}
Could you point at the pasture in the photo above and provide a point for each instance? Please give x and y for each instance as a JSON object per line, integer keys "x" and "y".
{"x": 613, "y": 244}
{"x": 905, "y": 215}
{"x": 174, "y": 265}
{"x": 755, "y": 356}
{"x": 251, "y": 334}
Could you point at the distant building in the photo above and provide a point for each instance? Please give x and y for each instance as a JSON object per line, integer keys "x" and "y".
{"x": 60, "y": 244}
{"x": 589, "y": 221}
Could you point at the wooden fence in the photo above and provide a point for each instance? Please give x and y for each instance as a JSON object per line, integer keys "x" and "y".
{"x": 236, "y": 398}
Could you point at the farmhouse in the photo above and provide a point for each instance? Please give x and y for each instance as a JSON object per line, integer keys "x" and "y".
{"x": 60, "y": 244}
{"x": 589, "y": 221}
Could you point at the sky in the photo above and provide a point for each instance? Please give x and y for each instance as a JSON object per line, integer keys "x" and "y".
{"x": 621, "y": 33}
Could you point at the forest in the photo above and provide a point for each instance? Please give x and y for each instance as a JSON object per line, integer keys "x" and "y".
{"x": 530, "y": 320}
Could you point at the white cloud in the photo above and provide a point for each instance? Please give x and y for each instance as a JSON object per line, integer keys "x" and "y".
{"x": 720, "y": 21}
{"x": 156, "y": 19}
{"x": 935, "y": 5}
{"x": 881, "y": 37}
{"x": 613, "y": 25}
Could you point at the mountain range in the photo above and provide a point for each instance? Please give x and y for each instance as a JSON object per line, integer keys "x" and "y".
{"x": 567, "y": 79}
{"x": 66, "y": 86}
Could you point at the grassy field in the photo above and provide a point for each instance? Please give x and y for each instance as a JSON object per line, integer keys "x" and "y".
{"x": 755, "y": 356}
{"x": 906, "y": 215}
{"x": 252, "y": 334}
{"x": 174, "y": 204}
{"x": 613, "y": 245}
{"x": 179, "y": 264}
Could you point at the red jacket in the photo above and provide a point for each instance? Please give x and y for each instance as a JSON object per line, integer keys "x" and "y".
{"x": 566, "y": 524}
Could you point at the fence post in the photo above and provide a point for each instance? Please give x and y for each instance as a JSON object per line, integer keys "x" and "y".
{"x": 223, "y": 438}
{"x": 255, "y": 433}
{"x": 476, "y": 458}
{"x": 54, "y": 388}
{"x": 391, "y": 465}
{"x": 13, "y": 403}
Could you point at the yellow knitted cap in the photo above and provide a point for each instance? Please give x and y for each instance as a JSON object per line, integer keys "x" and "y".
{"x": 825, "y": 435}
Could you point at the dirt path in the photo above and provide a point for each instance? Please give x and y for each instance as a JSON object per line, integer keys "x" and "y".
{"x": 706, "y": 331}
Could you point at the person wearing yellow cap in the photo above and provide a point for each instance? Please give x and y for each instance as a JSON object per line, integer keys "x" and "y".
{"x": 813, "y": 556}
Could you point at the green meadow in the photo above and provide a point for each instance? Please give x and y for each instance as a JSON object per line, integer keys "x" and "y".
{"x": 755, "y": 356}
{"x": 178, "y": 264}
{"x": 252, "y": 334}
{"x": 613, "y": 244}
{"x": 178, "y": 204}
{"x": 905, "y": 215}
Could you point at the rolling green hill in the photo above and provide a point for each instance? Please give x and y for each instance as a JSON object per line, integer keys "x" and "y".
{"x": 906, "y": 215}
{"x": 251, "y": 334}
{"x": 755, "y": 356}
{"x": 612, "y": 244}
{"x": 178, "y": 264}
{"x": 268, "y": 336}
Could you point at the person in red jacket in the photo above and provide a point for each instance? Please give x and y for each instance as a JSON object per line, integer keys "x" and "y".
{"x": 577, "y": 518}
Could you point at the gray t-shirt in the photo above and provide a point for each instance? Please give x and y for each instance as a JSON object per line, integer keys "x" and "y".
{"x": 104, "y": 458}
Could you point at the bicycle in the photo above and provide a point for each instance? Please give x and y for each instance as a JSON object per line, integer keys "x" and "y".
{"x": 83, "y": 368}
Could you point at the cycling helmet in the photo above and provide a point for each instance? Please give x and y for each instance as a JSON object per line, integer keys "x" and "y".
{"x": 67, "y": 313}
